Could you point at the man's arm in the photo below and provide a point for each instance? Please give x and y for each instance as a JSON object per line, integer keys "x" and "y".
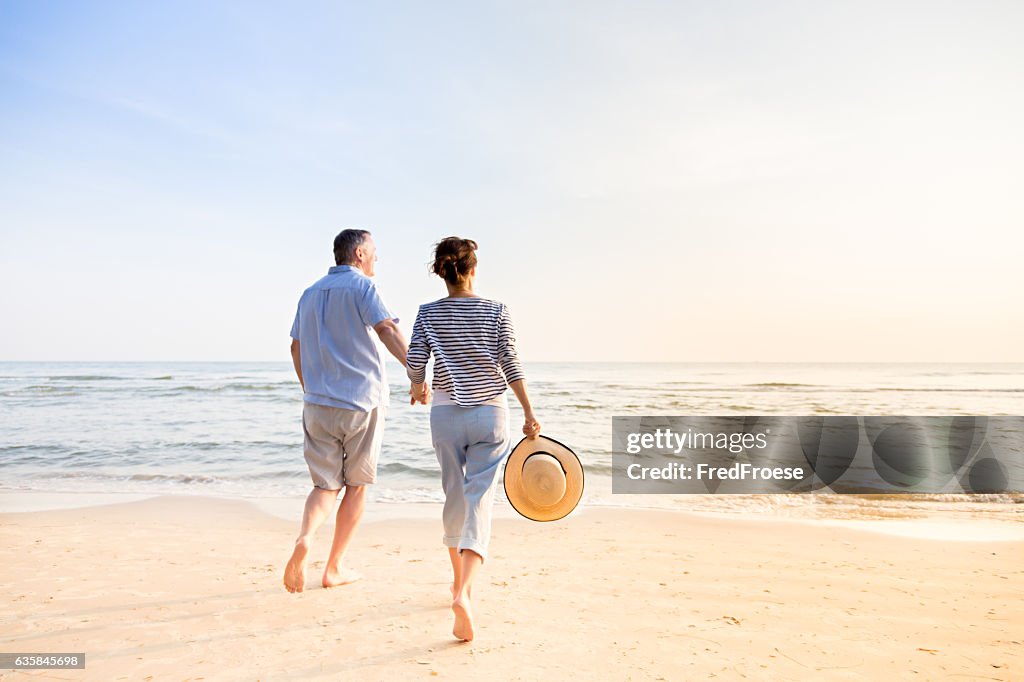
{"x": 391, "y": 336}
{"x": 297, "y": 361}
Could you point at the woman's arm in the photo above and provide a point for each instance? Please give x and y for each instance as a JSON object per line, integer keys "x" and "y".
{"x": 508, "y": 359}
{"x": 416, "y": 363}
{"x": 531, "y": 427}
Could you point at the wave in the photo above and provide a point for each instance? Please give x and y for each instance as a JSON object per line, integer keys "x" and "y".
{"x": 660, "y": 389}
{"x": 180, "y": 478}
{"x": 940, "y": 390}
{"x": 280, "y": 474}
{"x": 174, "y": 478}
{"x": 94, "y": 377}
{"x": 155, "y": 447}
{"x": 191, "y": 388}
{"x": 46, "y": 389}
{"x": 34, "y": 447}
{"x": 779, "y": 384}
{"x": 1015, "y": 372}
{"x": 100, "y": 476}
{"x": 402, "y": 468}
{"x": 603, "y": 468}
{"x": 225, "y": 444}
{"x": 86, "y": 377}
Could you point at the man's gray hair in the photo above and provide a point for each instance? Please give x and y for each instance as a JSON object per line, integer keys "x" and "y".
{"x": 346, "y": 243}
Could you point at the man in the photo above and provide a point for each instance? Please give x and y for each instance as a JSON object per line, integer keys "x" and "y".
{"x": 346, "y": 397}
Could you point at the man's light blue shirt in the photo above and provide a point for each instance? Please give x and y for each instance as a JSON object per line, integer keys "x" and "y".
{"x": 341, "y": 363}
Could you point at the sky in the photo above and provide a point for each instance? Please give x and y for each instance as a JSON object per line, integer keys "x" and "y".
{"x": 678, "y": 181}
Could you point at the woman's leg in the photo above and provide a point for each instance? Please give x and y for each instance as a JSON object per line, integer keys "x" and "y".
{"x": 483, "y": 464}
{"x": 449, "y": 444}
{"x": 481, "y": 482}
{"x": 453, "y": 556}
{"x": 461, "y": 606}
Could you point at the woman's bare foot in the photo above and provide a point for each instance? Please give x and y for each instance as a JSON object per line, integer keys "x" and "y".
{"x": 334, "y": 577}
{"x": 463, "y": 619}
{"x": 295, "y": 571}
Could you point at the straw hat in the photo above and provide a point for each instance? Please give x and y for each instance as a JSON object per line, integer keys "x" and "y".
{"x": 543, "y": 479}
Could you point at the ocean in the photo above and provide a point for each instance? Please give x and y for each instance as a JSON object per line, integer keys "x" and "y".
{"x": 234, "y": 430}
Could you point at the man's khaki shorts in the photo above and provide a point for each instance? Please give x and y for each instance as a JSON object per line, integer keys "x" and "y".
{"x": 342, "y": 446}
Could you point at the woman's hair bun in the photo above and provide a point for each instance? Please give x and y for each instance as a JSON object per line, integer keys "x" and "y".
{"x": 454, "y": 257}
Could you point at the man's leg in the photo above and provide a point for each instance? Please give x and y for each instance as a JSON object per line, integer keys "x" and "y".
{"x": 349, "y": 512}
{"x": 318, "y": 506}
{"x": 361, "y": 434}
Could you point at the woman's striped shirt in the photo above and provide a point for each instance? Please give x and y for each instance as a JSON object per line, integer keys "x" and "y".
{"x": 473, "y": 345}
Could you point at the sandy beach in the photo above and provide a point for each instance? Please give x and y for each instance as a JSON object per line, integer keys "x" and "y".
{"x": 190, "y": 588}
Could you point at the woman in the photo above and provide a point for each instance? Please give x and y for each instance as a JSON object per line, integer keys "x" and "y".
{"x": 474, "y": 352}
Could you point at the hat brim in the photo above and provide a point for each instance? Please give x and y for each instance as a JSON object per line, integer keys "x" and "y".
{"x": 516, "y": 493}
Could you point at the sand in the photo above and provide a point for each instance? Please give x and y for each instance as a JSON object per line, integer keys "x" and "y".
{"x": 183, "y": 588}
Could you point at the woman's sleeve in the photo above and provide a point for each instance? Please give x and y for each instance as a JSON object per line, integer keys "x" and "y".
{"x": 508, "y": 359}
{"x": 419, "y": 352}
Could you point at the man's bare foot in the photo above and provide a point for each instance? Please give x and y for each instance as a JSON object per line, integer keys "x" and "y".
{"x": 463, "y": 619}
{"x": 333, "y": 577}
{"x": 295, "y": 571}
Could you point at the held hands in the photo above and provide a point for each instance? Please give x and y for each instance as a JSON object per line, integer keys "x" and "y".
{"x": 531, "y": 427}
{"x": 419, "y": 393}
